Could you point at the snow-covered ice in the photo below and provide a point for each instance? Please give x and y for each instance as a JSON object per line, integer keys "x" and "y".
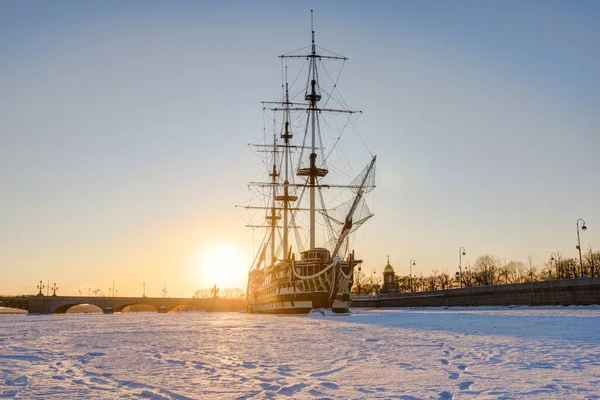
{"x": 482, "y": 353}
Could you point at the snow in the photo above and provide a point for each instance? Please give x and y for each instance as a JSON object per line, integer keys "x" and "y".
{"x": 436, "y": 353}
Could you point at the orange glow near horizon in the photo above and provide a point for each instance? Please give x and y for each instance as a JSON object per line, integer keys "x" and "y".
{"x": 221, "y": 265}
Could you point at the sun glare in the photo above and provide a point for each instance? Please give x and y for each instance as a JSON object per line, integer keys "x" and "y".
{"x": 223, "y": 266}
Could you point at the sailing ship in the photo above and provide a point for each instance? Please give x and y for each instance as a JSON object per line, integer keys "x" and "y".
{"x": 299, "y": 199}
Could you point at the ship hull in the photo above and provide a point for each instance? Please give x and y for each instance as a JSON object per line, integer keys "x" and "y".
{"x": 296, "y": 288}
{"x": 299, "y": 303}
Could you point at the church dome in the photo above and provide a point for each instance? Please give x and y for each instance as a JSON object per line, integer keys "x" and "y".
{"x": 388, "y": 269}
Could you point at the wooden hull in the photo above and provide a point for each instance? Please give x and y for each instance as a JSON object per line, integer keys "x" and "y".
{"x": 298, "y": 303}
{"x": 302, "y": 286}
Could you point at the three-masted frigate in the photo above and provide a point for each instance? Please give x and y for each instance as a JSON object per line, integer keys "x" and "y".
{"x": 305, "y": 198}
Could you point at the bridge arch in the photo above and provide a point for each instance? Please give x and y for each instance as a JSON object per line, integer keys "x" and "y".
{"x": 12, "y": 310}
{"x": 184, "y": 307}
{"x": 85, "y": 309}
{"x": 63, "y": 308}
{"x": 119, "y": 308}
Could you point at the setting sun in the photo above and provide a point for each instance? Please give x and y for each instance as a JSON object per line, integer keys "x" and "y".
{"x": 221, "y": 265}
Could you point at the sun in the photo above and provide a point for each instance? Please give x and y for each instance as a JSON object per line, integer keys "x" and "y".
{"x": 221, "y": 265}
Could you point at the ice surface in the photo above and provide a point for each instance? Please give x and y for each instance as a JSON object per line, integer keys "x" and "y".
{"x": 456, "y": 353}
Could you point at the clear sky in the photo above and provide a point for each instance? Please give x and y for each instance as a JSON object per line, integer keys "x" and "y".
{"x": 124, "y": 129}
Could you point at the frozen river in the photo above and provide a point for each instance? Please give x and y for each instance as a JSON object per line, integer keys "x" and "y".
{"x": 495, "y": 353}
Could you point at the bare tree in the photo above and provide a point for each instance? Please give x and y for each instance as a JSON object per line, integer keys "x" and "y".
{"x": 420, "y": 282}
{"x": 403, "y": 283}
{"x": 591, "y": 262}
{"x": 516, "y": 270}
{"x": 360, "y": 283}
{"x": 203, "y": 294}
{"x": 467, "y": 278}
{"x": 233, "y": 293}
{"x": 568, "y": 267}
{"x": 444, "y": 280}
{"x": 532, "y": 271}
{"x": 432, "y": 281}
{"x": 485, "y": 270}
{"x": 505, "y": 270}
{"x": 369, "y": 287}
{"x": 560, "y": 267}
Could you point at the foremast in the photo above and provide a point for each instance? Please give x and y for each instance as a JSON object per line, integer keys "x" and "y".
{"x": 286, "y": 198}
{"x": 272, "y": 217}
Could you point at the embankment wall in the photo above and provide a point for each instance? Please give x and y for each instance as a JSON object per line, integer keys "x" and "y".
{"x": 564, "y": 292}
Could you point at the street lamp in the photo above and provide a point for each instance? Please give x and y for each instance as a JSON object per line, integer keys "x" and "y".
{"x": 461, "y": 252}
{"x": 40, "y": 287}
{"x": 372, "y": 282}
{"x": 410, "y": 278}
{"x": 583, "y": 228}
{"x": 552, "y": 258}
{"x": 54, "y": 290}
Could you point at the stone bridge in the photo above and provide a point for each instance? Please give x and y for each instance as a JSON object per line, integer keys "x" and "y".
{"x": 109, "y": 305}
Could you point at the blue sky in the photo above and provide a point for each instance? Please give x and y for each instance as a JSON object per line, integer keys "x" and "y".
{"x": 124, "y": 125}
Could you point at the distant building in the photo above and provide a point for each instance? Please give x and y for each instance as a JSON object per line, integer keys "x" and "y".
{"x": 389, "y": 279}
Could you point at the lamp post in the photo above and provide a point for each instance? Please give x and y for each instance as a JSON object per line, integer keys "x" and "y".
{"x": 461, "y": 252}
{"x": 410, "y": 277}
{"x": 583, "y": 228}
{"x": 372, "y": 282}
{"x": 552, "y": 258}
{"x": 592, "y": 262}
{"x": 40, "y": 287}
{"x": 54, "y": 290}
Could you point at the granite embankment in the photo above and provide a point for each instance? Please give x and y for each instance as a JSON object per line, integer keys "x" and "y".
{"x": 565, "y": 292}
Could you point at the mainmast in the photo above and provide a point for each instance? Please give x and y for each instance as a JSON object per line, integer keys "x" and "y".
{"x": 312, "y": 171}
{"x": 312, "y": 96}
